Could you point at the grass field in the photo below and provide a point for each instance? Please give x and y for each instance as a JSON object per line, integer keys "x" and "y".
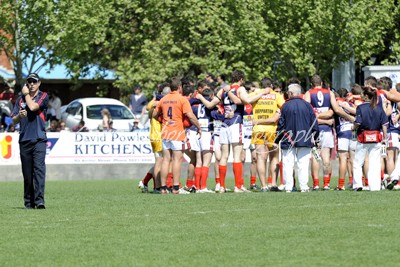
{"x": 111, "y": 223}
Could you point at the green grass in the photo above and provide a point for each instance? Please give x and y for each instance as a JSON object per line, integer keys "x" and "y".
{"x": 111, "y": 223}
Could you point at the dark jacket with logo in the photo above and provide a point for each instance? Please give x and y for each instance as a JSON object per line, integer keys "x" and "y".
{"x": 297, "y": 126}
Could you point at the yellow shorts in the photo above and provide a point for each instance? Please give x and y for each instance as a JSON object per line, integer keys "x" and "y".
{"x": 156, "y": 146}
{"x": 263, "y": 138}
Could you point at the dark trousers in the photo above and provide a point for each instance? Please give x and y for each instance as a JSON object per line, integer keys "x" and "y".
{"x": 33, "y": 154}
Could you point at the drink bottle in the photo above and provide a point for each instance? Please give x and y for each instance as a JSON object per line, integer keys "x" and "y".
{"x": 383, "y": 151}
{"x": 353, "y": 135}
{"x": 316, "y": 154}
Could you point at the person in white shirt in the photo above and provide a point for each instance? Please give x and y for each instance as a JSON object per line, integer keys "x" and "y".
{"x": 54, "y": 110}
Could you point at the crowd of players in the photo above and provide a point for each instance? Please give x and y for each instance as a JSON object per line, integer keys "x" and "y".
{"x": 203, "y": 120}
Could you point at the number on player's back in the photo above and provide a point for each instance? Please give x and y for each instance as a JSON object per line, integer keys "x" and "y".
{"x": 169, "y": 113}
{"x": 320, "y": 97}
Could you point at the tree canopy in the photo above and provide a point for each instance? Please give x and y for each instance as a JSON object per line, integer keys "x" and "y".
{"x": 307, "y": 37}
{"x": 51, "y": 32}
{"x": 146, "y": 42}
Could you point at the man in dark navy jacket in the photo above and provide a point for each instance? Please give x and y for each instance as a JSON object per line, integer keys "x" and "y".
{"x": 30, "y": 112}
{"x": 297, "y": 133}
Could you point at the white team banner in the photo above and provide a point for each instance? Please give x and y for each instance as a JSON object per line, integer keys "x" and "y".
{"x": 85, "y": 148}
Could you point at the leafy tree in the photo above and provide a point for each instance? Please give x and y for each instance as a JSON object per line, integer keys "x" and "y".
{"x": 149, "y": 41}
{"x": 17, "y": 39}
{"x": 315, "y": 36}
{"x": 169, "y": 38}
{"x": 309, "y": 40}
{"x": 391, "y": 40}
{"x": 371, "y": 21}
{"x": 51, "y": 32}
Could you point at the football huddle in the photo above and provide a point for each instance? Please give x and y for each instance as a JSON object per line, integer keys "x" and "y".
{"x": 290, "y": 134}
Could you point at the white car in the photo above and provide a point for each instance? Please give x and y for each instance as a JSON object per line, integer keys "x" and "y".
{"x": 89, "y": 110}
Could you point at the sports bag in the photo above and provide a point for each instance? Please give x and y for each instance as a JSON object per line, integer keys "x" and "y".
{"x": 369, "y": 136}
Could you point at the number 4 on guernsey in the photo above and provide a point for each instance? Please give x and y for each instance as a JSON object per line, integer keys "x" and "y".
{"x": 169, "y": 113}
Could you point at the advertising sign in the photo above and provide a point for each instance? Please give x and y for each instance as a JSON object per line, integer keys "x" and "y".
{"x": 85, "y": 148}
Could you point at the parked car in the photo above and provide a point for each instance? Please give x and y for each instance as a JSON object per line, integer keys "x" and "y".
{"x": 89, "y": 110}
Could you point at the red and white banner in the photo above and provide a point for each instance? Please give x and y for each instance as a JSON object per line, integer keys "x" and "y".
{"x": 85, "y": 148}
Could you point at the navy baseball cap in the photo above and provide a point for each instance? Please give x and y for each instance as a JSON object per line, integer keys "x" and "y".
{"x": 33, "y": 76}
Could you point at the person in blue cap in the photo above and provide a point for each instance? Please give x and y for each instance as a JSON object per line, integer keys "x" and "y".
{"x": 30, "y": 112}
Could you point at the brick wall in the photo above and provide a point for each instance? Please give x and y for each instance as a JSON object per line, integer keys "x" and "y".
{"x": 4, "y": 62}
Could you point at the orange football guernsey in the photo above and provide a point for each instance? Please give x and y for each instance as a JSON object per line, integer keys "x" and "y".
{"x": 173, "y": 107}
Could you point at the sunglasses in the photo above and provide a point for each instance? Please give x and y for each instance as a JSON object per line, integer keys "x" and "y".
{"x": 32, "y": 81}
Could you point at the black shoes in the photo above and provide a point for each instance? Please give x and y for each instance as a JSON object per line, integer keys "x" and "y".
{"x": 40, "y": 206}
{"x": 193, "y": 189}
{"x": 275, "y": 189}
{"x": 391, "y": 184}
{"x": 255, "y": 188}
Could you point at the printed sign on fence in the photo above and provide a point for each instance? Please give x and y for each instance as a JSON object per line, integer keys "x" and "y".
{"x": 85, "y": 148}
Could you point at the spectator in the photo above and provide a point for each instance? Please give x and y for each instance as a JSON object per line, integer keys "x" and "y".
{"x": 111, "y": 129}
{"x": 106, "y": 116}
{"x": 135, "y": 127}
{"x": 54, "y": 111}
{"x": 62, "y": 126}
{"x": 6, "y": 122}
{"x": 53, "y": 126}
{"x": 138, "y": 102}
{"x": 80, "y": 127}
{"x": 11, "y": 128}
{"x": 8, "y": 94}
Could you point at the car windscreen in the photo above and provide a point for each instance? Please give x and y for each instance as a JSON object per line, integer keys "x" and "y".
{"x": 117, "y": 112}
